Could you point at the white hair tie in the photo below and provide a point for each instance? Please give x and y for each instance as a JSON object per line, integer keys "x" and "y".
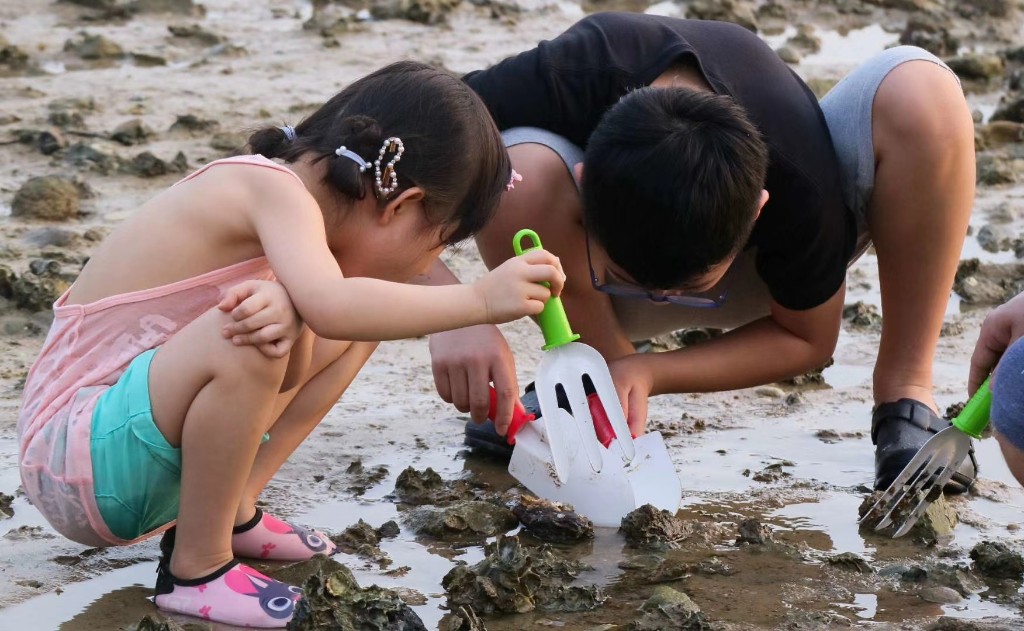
{"x": 344, "y": 152}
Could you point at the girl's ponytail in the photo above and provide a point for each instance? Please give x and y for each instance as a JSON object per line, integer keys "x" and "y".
{"x": 269, "y": 142}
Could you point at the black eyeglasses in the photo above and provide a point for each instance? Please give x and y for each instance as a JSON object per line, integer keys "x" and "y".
{"x": 708, "y": 299}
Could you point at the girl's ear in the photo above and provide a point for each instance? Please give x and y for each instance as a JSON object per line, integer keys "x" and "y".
{"x": 409, "y": 197}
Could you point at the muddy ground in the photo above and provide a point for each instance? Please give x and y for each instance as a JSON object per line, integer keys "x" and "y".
{"x": 124, "y": 113}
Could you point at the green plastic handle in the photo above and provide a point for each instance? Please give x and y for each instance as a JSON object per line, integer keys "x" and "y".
{"x": 553, "y": 322}
{"x": 974, "y": 418}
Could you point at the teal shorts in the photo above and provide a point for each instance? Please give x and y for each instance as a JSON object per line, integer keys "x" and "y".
{"x": 136, "y": 472}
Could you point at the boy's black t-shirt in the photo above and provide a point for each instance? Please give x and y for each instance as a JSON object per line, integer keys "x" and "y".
{"x": 805, "y": 234}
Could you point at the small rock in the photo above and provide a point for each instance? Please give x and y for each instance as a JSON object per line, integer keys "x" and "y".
{"x": 770, "y": 391}
{"x": 514, "y": 579}
{"x": 194, "y": 125}
{"x": 389, "y": 530}
{"x": 978, "y": 8}
{"x": 49, "y": 197}
{"x": 962, "y": 624}
{"x": 229, "y": 141}
{"x": 941, "y": 595}
{"x": 669, "y": 608}
{"x": 952, "y": 328}
{"x": 1011, "y": 108}
{"x": 998, "y": 134}
{"x": 862, "y": 315}
{"x": 5, "y": 506}
{"x": 977, "y": 67}
{"x": 12, "y": 57}
{"x": 131, "y": 132}
{"x": 994, "y": 170}
{"x": 461, "y": 519}
{"x": 936, "y": 524}
{"x": 96, "y": 156}
{"x": 94, "y": 47}
{"x": 979, "y": 283}
{"x": 650, "y": 527}
{"x": 1004, "y": 212}
{"x": 850, "y": 561}
{"x": 181, "y": 7}
{"x": 753, "y": 532}
{"x": 788, "y": 55}
{"x": 67, "y": 119}
{"x": 735, "y": 11}
{"x": 930, "y": 34}
{"x": 462, "y": 619}
{"x": 155, "y": 622}
{"x": 148, "y": 60}
{"x": 423, "y": 11}
{"x": 552, "y": 522}
{"x": 146, "y": 164}
{"x": 47, "y": 141}
{"x": 336, "y": 601}
{"x": 809, "y": 378}
{"x": 196, "y": 33}
{"x": 297, "y": 573}
{"x": 805, "y": 39}
{"x": 363, "y": 540}
{"x": 51, "y": 236}
{"x": 995, "y": 560}
{"x": 996, "y": 237}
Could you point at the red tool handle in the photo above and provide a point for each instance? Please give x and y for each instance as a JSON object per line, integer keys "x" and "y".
{"x": 603, "y": 427}
{"x": 520, "y": 417}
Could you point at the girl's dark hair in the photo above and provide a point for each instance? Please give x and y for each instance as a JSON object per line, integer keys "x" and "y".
{"x": 453, "y": 150}
{"x": 671, "y": 181}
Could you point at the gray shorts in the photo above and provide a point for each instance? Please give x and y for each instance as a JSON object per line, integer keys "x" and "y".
{"x": 847, "y": 108}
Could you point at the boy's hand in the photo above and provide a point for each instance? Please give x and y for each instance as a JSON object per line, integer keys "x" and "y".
{"x": 263, "y": 317}
{"x": 513, "y": 289}
{"x": 1003, "y": 326}
{"x": 633, "y": 383}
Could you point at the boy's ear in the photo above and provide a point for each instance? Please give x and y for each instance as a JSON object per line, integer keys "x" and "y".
{"x": 578, "y": 171}
{"x": 408, "y": 197}
{"x": 761, "y": 203}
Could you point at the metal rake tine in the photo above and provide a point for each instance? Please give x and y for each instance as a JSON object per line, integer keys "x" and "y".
{"x": 922, "y": 506}
{"x": 921, "y": 458}
{"x": 920, "y": 478}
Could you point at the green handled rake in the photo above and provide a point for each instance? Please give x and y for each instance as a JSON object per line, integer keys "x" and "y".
{"x": 932, "y": 467}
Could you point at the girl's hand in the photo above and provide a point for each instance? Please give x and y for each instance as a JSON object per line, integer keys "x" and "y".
{"x": 633, "y": 383}
{"x": 263, "y": 317}
{"x": 513, "y": 289}
{"x": 1001, "y": 328}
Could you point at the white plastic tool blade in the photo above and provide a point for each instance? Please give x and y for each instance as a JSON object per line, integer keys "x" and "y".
{"x": 590, "y": 362}
{"x": 604, "y": 497}
{"x": 652, "y": 475}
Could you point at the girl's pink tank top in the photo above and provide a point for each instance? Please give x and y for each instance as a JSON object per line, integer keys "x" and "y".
{"x": 86, "y": 350}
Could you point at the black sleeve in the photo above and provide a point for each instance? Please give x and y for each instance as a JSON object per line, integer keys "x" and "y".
{"x": 802, "y": 238}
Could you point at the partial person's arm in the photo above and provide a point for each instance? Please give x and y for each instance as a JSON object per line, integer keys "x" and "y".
{"x": 292, "y": 234}
{"x": 776, "y": 347}
{"x": 1003, "y": 326}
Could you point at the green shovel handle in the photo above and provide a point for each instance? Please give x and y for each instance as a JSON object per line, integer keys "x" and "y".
{"x": 974, "y": 418}
{"x": 553, "y": 322}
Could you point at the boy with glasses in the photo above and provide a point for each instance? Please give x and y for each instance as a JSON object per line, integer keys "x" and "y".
{"x": 685, "y": 170}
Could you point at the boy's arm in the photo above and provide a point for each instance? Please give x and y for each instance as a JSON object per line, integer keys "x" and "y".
{"x": 784, "y": 344}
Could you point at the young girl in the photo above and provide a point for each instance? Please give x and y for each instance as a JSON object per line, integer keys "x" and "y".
{"x": 242, "y": 302}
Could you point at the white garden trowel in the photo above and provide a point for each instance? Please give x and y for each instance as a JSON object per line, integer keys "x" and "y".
{"x": 585, "y": 455}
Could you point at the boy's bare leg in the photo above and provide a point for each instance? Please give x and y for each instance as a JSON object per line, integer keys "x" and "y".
{"x": 332, "y": 368}
{"x": 215, "y": 400}
{"x": 924, "y": 191}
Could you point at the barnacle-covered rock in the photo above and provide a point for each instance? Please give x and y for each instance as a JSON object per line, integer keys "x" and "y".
{"x": 335, "y": 601}
{"x": 552, "y": 521}
{"x": 461, "y": 519}
{"x": 514, "y": 579}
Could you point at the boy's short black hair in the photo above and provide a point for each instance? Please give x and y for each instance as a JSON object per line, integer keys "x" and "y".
{"x": 671, "y": 181}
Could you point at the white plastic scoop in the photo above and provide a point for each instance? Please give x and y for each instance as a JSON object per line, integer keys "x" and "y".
{"x": 570, "y": 456}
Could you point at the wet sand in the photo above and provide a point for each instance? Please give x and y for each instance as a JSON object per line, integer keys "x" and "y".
{"x": 391, "y": 417}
